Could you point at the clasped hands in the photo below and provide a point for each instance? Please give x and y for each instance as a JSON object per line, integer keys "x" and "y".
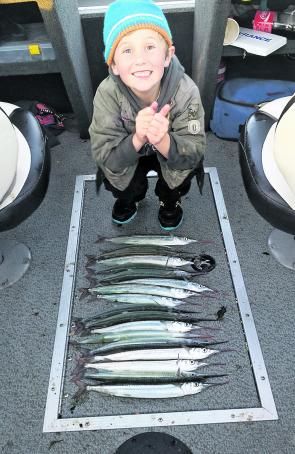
{"x": 152, "y": 126}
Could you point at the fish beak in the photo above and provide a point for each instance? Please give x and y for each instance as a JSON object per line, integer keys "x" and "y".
{"x": 217, "y": 384}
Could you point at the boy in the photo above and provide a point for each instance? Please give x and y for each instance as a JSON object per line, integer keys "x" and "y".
{"x": 147, "y": 114}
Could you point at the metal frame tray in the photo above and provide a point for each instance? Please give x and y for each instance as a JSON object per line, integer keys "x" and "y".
{"x": 53, "y": 422}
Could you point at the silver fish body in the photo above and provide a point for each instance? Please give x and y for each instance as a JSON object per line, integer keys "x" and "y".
{"x": 138, "y": 273}
{"x": 151, "y": 240}
{"x": 127, "y": 309}
{"x": 142, "y": 289}
{"x": 134, "y": 316}
{"x": 146, "y": 260}
{"x": 127, "y": 345}
{"x": 142, "y": 250}
{"x": 151, "y": 325}
{"x": 154, "y": 300}
{"x": 194, "y": 353}
{"x": 176, "y": 366}
{"x": 174, "y": 283}
{"x": 153, "y": 391}
{"x": 141, "y": 335}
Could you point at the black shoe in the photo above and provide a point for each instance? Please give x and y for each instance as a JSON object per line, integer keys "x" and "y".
{"x": 123, "y": 212}
{"x": 170, "y": 215}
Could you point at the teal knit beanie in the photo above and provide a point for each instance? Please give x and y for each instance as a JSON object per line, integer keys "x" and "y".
{"x": 125, "y": 16}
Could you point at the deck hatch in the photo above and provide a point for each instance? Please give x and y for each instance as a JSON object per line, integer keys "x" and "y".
{"x": 55, "y": 422}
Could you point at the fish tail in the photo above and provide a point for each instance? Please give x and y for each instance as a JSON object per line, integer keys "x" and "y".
{"x": 84, "y": 352}
{"x": 90, "y": 271}
{"x": 74, "y": 343}
{"x": 77, "y": 326}
{"x": 79, "y": 396}
{"x": 91, "y": 260}
{"x": 84, "y": 292}
{"x": 85, "y": 332}
{"x": 100, "y": 239}
{"x": 78, "y": 371}
{"x": 93, "y": 282}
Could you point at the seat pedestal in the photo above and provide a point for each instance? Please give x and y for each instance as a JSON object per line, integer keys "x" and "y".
{"x": 282, "y": 247}
{"x": 15, "y": 260}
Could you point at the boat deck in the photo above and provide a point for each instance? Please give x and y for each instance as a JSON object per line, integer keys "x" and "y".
{"x": 30, "y": 312}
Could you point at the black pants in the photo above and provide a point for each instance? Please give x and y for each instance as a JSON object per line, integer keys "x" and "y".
{"x": 137, "y": 188}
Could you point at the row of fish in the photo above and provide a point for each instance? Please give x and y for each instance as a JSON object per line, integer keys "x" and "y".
{"x": 149, "y": 348}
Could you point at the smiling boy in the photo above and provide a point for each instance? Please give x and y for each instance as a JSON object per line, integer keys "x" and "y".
{"x": 147, "y": 114}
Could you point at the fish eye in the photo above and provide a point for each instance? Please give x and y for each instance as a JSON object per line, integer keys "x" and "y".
{"x": 204, "y": 350}
{"x": 192, "y": 362}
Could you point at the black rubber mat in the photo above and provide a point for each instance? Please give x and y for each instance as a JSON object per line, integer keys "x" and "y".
{"x": 153, "y": 442}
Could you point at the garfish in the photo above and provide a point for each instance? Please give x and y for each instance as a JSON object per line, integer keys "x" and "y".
{"x": 194, "y": 353}
{"x": 154, "y": 325}
{"x": 140, "y": 335}
{"x": 152, "y": 391}
{"x": 138, "y": 376}
{"x": 139, "y": 315}
{"x": 146, "y": 260}
{"x": 135, "y": 250}
{"x": 174, "y": 283}
{"x": 138, "y": 273}
{"x": 141, "y": 289}
{"x": 176, "y": 366}
{"x": 150, "y": 343}
{"x": 123, "y": 309}
{"x": 155, "y": 300}
{"x": 155, "y": 240}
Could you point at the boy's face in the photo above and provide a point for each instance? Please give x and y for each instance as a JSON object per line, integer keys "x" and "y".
{"x": 140, "y": 59}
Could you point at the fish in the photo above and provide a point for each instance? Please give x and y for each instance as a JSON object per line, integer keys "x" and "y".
{"x": 80, "y": 324}
{"x": 144, "y": 289}
{"x": 146, "y": 260}
{"x": 152, "y": 391}
{"x": 153, "y": 325}
{"x": 176, "y": 366}
{"x": 195, "y": 353}
{"x": 174, "y": 283}
{"x": 138, "y": 273}
{"x": 140, "y": 335}
{"x": 152, "y": 240}
{"x": 135, "y": 250}
{"x": 150, "y": 343}
{"x": 124, "y": 309}
{"x": 203, "y": 264}
{"x": 156, "y": 376}
{"x": 155, "y": 300}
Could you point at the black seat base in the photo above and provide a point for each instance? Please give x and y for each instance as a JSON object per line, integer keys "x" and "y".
{"x": 262, "y": 195}
{"x": 15, "y": 260}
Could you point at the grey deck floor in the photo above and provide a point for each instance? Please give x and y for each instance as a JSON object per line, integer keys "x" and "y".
{"x": 29, "y": 313}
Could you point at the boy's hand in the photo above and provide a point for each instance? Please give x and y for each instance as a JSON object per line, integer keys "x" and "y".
{"x": 142, "y": 122}
{"x": 159, "y": 125}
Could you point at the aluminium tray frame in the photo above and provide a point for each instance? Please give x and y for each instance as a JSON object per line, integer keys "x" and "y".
{"x": 53, "y": 422}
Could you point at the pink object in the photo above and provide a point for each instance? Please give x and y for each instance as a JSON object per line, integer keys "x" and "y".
{"x": 263, "y": 21}
{"x": 48, "y": 117}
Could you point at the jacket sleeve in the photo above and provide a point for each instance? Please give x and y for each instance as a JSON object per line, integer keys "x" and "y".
{"x": 111, "y": 144}
{"x": 187, "y": 134}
